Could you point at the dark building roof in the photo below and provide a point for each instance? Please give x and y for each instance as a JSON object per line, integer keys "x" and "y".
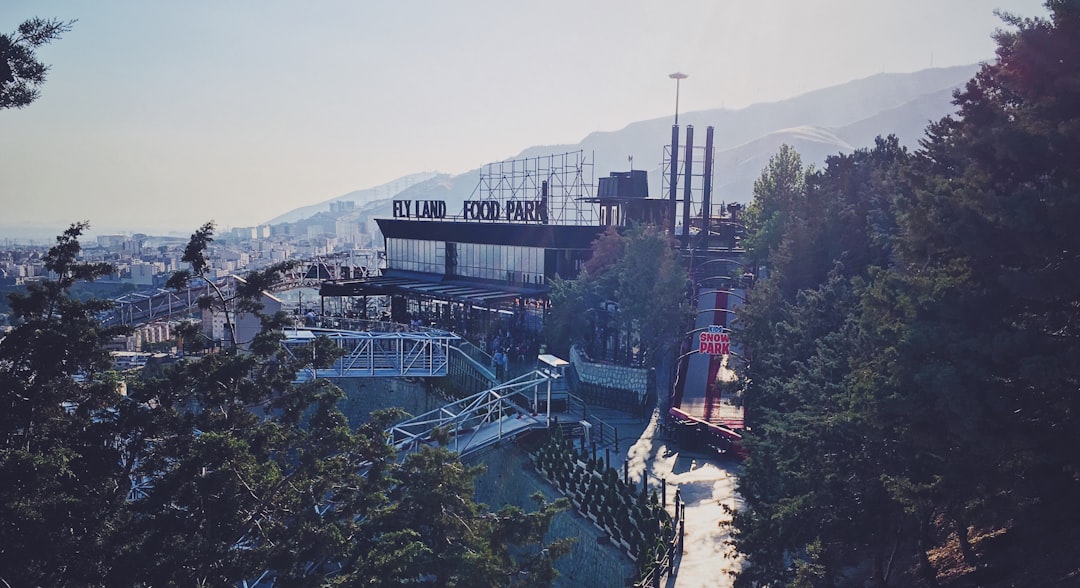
{"x": 487, "y": 233}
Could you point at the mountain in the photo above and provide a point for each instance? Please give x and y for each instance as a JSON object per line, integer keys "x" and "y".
{"x": 737, "y": 168}
{"x": 838, "y": 119}
{"x": 360, "y": 197}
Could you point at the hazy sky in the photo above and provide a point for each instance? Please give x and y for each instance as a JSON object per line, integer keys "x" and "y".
{"x": 161, "y": 115}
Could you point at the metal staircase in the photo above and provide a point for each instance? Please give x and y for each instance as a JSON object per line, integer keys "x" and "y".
{"x": 480, "y": 420}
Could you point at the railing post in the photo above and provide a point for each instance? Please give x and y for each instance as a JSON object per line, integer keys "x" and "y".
{"x": 549, "y": 399}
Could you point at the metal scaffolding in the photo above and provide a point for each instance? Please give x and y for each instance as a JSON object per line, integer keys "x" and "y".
{"x": 564, "y": 179}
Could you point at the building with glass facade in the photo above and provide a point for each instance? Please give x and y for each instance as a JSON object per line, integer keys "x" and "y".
{"x": 490, "y": 267}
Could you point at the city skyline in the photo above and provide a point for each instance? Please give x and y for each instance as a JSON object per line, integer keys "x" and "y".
{"x": 157, "y": 117}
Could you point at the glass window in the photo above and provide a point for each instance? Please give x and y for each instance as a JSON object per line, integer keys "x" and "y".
{"x": 506, "y": 263}
{"x": 416, "y": 255}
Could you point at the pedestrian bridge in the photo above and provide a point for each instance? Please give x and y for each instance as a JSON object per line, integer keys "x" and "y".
{"x": 472, "y": 423}
{"x": 374, "y": 354}
{"x": 480, "y": 420}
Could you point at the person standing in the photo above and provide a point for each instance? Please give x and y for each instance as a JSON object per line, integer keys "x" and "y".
{"x": 500, "y": 365}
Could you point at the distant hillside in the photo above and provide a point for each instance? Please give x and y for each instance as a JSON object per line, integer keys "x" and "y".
{"x": 739, "y": 167}
{"x": 360, "y": 197}
{"x": 855, "y": 112}
{"x": 824, "y": 122}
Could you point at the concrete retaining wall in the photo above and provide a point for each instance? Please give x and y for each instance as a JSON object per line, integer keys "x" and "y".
{"x": 366, "y": 395}
{"x": 511, "y": 479}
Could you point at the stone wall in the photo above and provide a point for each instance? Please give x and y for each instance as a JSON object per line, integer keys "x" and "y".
{"x": 638, "y": 381}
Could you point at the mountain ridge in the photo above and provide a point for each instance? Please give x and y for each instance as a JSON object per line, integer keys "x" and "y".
{"x": 819, "y": 123}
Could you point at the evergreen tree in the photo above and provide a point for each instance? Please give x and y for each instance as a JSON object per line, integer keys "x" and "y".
{"x": 639, "y": 270}
{"x": 57, "y": 462}
{"x": 778, "y": 192}
{"x": 21, "y": 74}
{"x": 220, "y": 470}
{"x": 914, "y": 346}
{"x": 990, "y": 257}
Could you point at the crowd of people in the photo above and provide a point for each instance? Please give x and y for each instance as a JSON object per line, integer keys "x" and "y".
{"x": 506, "y": 346}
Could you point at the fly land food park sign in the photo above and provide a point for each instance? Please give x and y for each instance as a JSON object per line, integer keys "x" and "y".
{"x": 513, "y": 211}
{"x": 714, "y": 341}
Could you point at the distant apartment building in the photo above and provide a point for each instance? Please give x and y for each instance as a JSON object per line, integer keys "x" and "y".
{"x": 237, "y": 258}
{"x": 111, "y": 241}
{"x": 347, "y": 231}
{"x": 141, "y": 337}
{"x": 247, "y": 325}
{"x": 134, "y": 244}
{"x": 250, "y": 233}
{"x": 242, "y": 233}
{"x": 342, "y": 206}
{"x": 142, "y": 273}
{"x": 315, "y": 247}
{"x": 148, "y": 334}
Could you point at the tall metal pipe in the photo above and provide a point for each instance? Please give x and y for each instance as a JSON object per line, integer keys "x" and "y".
{"x": 544, "y": 200}
{"x": 674, "y": 181}
{"x": 706, "y": 193}
{"x": 687, "y": 178}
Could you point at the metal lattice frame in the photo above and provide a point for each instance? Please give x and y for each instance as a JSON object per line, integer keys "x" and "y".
{"x": 146, "y": 307}
{"x": 374, "y": 354}
{"x": 569, "y": 179}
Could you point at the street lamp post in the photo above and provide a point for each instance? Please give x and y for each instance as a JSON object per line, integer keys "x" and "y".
{"x": 678, "y": 77}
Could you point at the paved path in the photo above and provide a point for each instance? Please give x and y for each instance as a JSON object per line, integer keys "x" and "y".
{"x": 706, "y": 484}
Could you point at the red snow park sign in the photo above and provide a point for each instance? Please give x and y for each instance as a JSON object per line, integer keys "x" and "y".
{"x": 714, "y": 341}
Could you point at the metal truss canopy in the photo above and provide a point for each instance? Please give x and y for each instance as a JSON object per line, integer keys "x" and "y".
{"x": 145, "y": 307}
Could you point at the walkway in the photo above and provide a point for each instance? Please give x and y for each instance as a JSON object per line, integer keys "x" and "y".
{"x": 706, "y": 484}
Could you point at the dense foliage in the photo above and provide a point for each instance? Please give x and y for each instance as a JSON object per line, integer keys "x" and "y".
{"x": 628, "y": 302}
{"x": 914, "y": 379}
{"x": 221, "y": 470}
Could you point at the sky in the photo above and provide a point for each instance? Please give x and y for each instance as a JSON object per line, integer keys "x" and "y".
{"x": 158, "y": 116}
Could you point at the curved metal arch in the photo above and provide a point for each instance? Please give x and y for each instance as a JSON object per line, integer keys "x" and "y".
{"x": 704, "y": 310}
{"x": 707, "y": 278}
{"x": 721, "y": 260}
